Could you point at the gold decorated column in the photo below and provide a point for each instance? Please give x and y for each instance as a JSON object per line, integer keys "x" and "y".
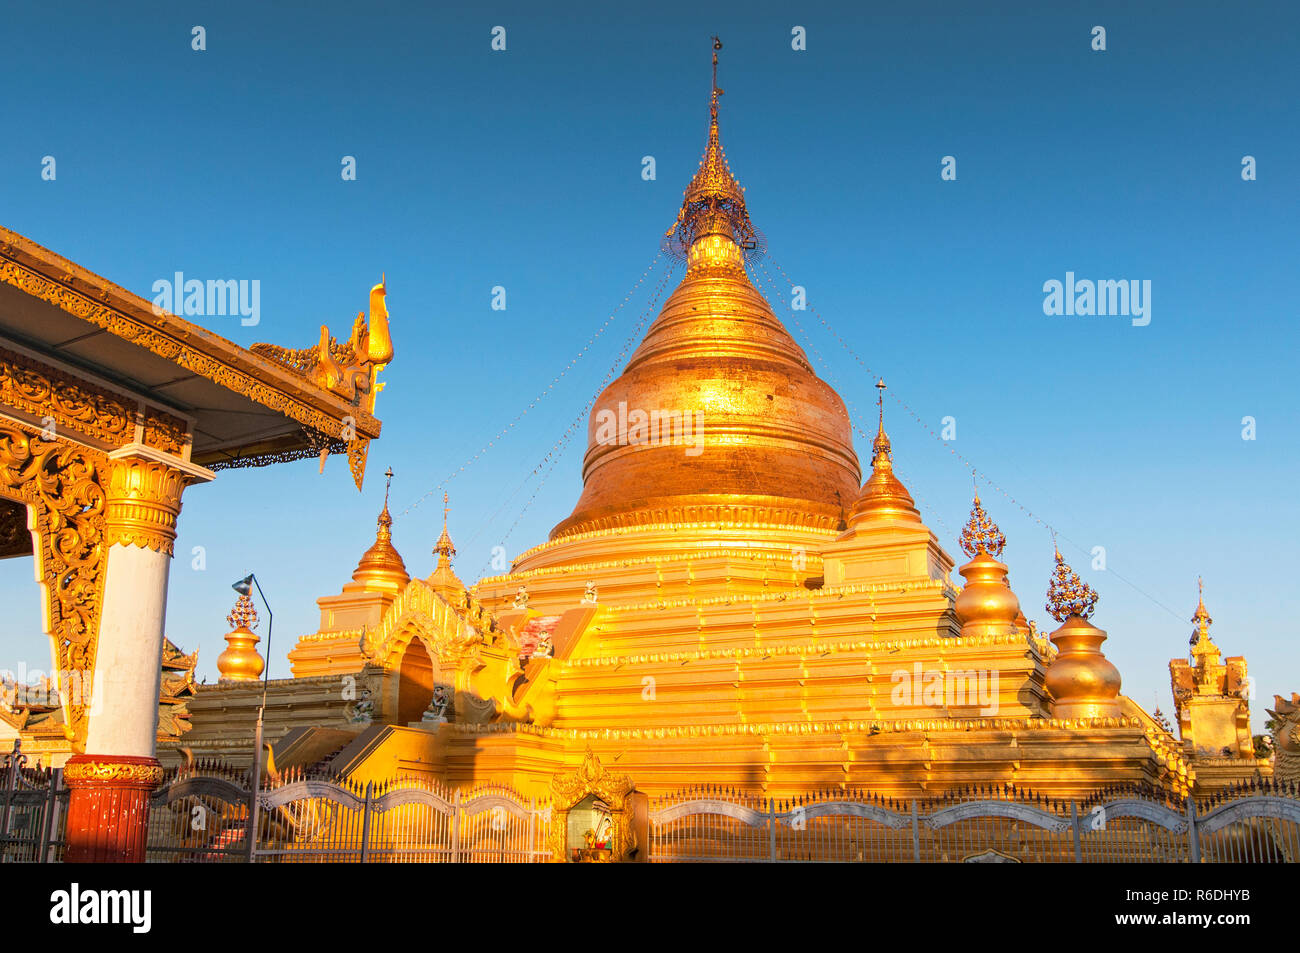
{"x": 110, "y": 782}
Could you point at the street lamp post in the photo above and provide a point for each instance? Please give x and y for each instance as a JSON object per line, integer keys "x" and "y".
{"x": 244, "y": 587}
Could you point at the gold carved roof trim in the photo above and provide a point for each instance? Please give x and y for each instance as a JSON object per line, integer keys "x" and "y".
{"x": 81, "y": 403}
{"x": 42, "y": 274}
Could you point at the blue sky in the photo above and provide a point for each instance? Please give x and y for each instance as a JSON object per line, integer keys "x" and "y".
{"x": 522, "y": 169}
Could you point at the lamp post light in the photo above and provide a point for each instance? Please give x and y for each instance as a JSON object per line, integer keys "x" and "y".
{"x": 244, "y": 587}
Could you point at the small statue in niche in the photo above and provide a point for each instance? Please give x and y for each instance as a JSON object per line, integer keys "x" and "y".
{"x": 521, "y": 598}
{"x": 436, "y": 713}
{"x": 363, "y": 711}
{"x": 544, "y": 649}
{"x": 589, "y": 597}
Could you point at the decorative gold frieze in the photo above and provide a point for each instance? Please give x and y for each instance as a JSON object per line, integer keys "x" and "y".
{"x": 41, "y": 390}
{"x": 240, "y": 374}
{"x": 164, "y": 431}
{"x": 112, "y": 772}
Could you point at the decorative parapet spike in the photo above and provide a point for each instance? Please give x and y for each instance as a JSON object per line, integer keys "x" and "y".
{"x": 1067, "y": 594}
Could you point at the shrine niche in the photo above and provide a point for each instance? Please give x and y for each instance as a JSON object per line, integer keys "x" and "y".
{"x": 592, "y": 815}
{"x": 414, "y": 682}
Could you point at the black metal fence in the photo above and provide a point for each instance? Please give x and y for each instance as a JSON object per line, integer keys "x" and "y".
{"x": 33, "y": 811}
{"x": 1257, "y": 823}
{"x": 203, "y": 814}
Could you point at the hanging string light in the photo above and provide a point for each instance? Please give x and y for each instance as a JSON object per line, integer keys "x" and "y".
{"x": 850, "y": 415}
{"x": 966, "y": 462}
{"x": 557, "y": 449}
{"x": 543, "y": 394}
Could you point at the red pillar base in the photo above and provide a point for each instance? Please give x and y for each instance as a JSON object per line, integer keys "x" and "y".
{"x": 108, "y": 807}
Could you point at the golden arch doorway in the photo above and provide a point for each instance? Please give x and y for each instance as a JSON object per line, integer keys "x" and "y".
{"x": 414, "y": 683}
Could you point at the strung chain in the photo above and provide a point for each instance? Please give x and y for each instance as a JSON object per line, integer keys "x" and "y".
{"x": 557, "y": 449}
{"x": 947, "y": 444}
{"x": 549, "y": 387}
{"x": 850, "y": 414}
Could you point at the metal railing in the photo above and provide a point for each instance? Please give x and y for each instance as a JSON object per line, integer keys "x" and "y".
{"x": 202, "y": 815}
{"x": 1258, "y": 823}
{"x": 33, "y": 811}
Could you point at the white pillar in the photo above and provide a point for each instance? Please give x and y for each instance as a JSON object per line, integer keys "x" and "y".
{"x": 142, "y": 500}
{"x": 127, "y": 662}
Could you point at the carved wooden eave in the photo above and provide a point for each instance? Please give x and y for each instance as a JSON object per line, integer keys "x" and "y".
{"x": 237, "y": 408}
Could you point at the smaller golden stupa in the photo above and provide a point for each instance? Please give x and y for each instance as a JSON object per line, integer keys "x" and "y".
{"x": 986, "y": 605}
{"x": 1082, "y": 681}
{"x": 240, "y": 661}
{"x": 883, "y": 496}
{"x": 381, "y": 568}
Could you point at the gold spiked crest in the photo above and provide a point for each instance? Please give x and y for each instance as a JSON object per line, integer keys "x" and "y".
{"x": 1067, "y": 594}
{"x": 981, "y": 534}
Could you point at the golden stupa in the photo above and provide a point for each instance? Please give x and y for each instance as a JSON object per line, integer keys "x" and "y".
{"x": 728, "y": 602}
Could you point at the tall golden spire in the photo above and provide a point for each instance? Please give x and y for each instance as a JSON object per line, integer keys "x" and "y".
{"x": 1205, "y": 654}
{"x": 443, "y": 579}
{"x": 381, "y": 566}
{"x": 883, "y": 496}
{"x": 443, "y": 548}
{"x": 714, "y": 202}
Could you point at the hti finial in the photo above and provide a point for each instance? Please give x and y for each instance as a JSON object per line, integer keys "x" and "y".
{"x": 1067, "y": 594}
{"x": 714, "y": 202}
{"x": 388, "y": 474}
{"x": 981, "y": 534}
{"x": 1202, "y": 616}
{"x": 444, "y": 547}
{"x": 717, "y": 45}
{"x": 880, "y": 446}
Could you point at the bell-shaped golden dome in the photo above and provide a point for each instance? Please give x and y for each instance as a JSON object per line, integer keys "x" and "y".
{"x": 718, "y": 416}
{"x": 381, "y": 568}
{"x": 240, "y": 662}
